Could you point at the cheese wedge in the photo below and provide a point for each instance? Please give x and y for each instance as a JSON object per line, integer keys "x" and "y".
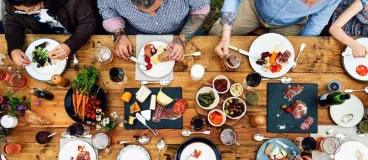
{"x": 163, "y": 99}
{"x": 131, "y": 120}
{"x": 143, "y": 93}
{"x": 153, "y": 102}
{"x": 146, "y": 114}
{"x": 134, "y": 108}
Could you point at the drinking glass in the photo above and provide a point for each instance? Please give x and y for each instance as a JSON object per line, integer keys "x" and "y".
{"x": 4, "y": 76}
{"x": 19, "y": 81}
{"x": 103, "y": 54}
{"x": 232, "y": 61}
{"x": 330, "y": 146}
{"x": 252, "y": 80}
{"x": 118, "y": 76}
{"x": 78, "y": 129}
{"x": 309, "y": 144}
{"x": 298, "y": 142}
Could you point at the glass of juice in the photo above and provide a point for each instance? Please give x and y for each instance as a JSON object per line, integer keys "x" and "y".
{"x": 232, "y": 61}
{"x": 12, "y": 148}
{"x": 19, "y": 81}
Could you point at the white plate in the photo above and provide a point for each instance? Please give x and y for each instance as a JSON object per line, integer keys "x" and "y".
{"x": 348, "y": 151}
{"x": 267, "y": 43}
{"x": 350, "y": 63}
{"x": 159, "y": 70}
{"x": 70, "y": 149}
{"x": 207, "y": 151}
{"x": 351, "y": 106}
{"x": 44, "y": 73}
{"x": 133, "y": 152}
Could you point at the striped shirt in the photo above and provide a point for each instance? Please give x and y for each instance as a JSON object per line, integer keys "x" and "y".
{"x": 170, "y": 18}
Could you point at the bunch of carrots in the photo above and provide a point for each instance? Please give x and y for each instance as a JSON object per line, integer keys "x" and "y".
{"x": 82, "y": 85}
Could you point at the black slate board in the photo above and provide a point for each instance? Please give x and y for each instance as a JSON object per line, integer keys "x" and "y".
{"x": 275, "y": 99}
{"x": 174, "y": 93}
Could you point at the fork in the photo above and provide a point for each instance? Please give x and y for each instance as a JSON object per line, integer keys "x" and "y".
{"x": 76, "y": 63}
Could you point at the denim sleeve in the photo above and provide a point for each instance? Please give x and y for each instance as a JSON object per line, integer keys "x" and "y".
{"x": 229, "y": 10}
{"x": 317, "y": 21}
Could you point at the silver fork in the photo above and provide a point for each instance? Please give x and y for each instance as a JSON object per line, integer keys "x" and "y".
{"x": 76, "y": 63}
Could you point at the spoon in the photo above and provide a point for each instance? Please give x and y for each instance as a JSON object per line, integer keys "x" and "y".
{"x": 160, "y": 146}
{"x": 284, "y": 80}
{"x": 53, "y": 134}
{"x": 352, "y": 90}
{"x": 187, "y": 132}
{"x": 196, "y": 54}
{"x": 259, "y": 137}
{"x": 142, "y": 139}
{"x": 163, "y": 82}
{"x": 342, "y": 136}
{"x": 345, "y": 119}
{"x": 302, "y": 46}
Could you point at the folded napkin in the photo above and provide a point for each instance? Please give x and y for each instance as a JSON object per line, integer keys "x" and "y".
{"x": 348, "y": 131}
{"x": 143, "y": 40}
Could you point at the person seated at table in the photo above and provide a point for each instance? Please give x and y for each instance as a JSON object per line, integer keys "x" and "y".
{"x": 74, "y": 17}
{"x": 132, "y": 17}
{"x": 351, "y": 19}
{"x": 286, "y": 17}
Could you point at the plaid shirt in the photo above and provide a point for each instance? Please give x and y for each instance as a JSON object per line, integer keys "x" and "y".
{"x": 169, "y": 18}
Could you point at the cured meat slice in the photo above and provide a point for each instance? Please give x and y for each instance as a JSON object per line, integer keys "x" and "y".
{"x": 283, "y": 57}
{"x": 158, "y": 113}
{"x": 170, "y": 114}
{"x": 307, "y": 123}
{"x": 298, "y": 109}
{"x": 292, "y": 91}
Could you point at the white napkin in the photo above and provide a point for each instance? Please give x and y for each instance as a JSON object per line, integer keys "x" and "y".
{"x": 348, "y": 131}
{"x": 143, "y": 40}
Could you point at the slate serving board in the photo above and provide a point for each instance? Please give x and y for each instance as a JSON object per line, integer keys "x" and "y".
{"x": 174, "y": 93}
{"x": 275, "y": 99}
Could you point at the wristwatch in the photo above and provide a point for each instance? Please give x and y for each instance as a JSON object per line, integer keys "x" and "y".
{"x": 118, "y": 33}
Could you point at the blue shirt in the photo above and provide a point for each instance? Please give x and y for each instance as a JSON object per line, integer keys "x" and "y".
{"x": 289, "y": 12}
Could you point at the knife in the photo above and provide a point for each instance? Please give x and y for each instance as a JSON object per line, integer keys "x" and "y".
{"x": 137, "y": 61}
{"x": 290, "y": 150}
{"x": 141, "y": 119}
{"x": 242, "y": 52}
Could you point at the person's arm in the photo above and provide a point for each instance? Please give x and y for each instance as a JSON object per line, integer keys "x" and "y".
{"x": 197, "y": 15}
{"x": 86, "y": 26}
{"x": 317, "y": 21}
{"x": 228, "y": 16}
{"x": 113, "y": 23}
{"x": 337, "y": 31}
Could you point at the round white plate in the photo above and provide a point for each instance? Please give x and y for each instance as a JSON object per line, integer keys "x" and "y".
{"x": 70, "y": 149}
{"x": 267, "y": 43}
{"x": 207, "y": 151}
{"x": 133, "y": 152}
{"x": 351, "y": 106}
{"x": 44, "y": 73}
{"x": 159, "y": 70}
{"x": 348, "y": 151}
{"x": 350, "y": 63}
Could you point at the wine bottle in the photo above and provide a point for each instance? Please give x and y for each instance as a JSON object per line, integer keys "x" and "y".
{"x": 42, "y": 94}
{"x": 333, "y": 98}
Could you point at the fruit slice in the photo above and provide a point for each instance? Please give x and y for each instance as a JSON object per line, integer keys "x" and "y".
{"x": 362, "y": 70}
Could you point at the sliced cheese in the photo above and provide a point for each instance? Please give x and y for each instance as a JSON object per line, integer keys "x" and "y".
{"x": 153, "y": 102}
{"x": 131, "y": 120}
{"x": 163, "y": 99}
{"x": 146, "y": 114}
{"x": 275, "y": 151}
{"x": 143, "y": 93}
{"x": 154, "y": 59}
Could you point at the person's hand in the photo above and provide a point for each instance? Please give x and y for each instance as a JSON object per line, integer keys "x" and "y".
{"x": 61, "y": 52}
{"x": 123, "y": 47}
{"x": 359, "y": 51}
{"x": 177, "y": 49}
{"x": 19, "y": 58}
{"x": 222, "y": 49}
{"x": 303, "y": 158}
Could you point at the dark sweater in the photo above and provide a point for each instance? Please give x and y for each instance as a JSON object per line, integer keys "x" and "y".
{"x": 76, "y": 16}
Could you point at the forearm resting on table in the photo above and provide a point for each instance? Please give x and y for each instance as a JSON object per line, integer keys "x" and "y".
{"x": 337, "y": 32}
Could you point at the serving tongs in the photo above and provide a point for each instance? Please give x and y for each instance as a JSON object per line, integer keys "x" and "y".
{"x": 243, "y": 52}
{"x": 141, "y": 119}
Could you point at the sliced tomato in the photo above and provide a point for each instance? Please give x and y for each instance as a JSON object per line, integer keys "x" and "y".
{"x": 362, "y": 70}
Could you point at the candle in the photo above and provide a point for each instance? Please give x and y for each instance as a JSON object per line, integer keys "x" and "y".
{"x": 197, "y": 72}
{"x": 8, "y": 121}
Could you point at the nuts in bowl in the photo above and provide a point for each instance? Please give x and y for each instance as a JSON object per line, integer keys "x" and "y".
{"x": 216, "y": 117}
{"x": 234, "y": 108}
{"x": 221, "y": 84}
{"x": 236, "y": 89}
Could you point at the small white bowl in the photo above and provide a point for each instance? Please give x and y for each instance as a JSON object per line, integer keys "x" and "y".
{"x": 223, "y": 115}
{"x": 207, "y": 90}
{"x": 245, "y": 108}
{"x": 241, "y": 92}
{"x": 221, "y": 77}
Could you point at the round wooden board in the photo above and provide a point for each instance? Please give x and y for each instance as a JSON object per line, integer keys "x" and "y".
{"x": 223, "y": 97}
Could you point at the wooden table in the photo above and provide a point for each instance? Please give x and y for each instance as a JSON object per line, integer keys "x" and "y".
{"x": 319, "y": 63}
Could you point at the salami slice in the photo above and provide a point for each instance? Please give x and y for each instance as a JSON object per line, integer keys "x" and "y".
{"x": 307, "y": 123}
{"x": 158, "y": 113}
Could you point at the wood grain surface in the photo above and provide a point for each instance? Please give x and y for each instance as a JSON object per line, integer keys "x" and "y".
{"x": 319, "y": 63}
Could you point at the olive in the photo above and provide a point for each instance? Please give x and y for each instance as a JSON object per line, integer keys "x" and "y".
{"x": 230, "y": 100}
{"x": 231, "y": 113}
{"x": 227, "y": 104}
{"x": 226, "y": 111}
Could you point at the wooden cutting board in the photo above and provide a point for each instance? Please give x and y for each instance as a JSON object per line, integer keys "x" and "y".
{"x": 53, "y": 111}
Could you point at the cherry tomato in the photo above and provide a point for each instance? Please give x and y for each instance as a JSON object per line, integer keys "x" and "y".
{"x": 362, "y": 70}
{"x": 93, "y": 97}
{"x": 98, "y": 102}
{"x": 149, "y": 66}
{"x": 147, "y": 59}
{"x": 89, "y": 105}
{"x": 93, "y": 116}
{"x": 88, "y": 115}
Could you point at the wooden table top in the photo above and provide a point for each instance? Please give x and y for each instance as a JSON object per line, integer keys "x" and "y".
{"x": 320, "y": 63}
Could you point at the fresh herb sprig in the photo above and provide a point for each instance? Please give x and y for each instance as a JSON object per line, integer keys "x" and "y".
{"x": 85, "y": 80}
